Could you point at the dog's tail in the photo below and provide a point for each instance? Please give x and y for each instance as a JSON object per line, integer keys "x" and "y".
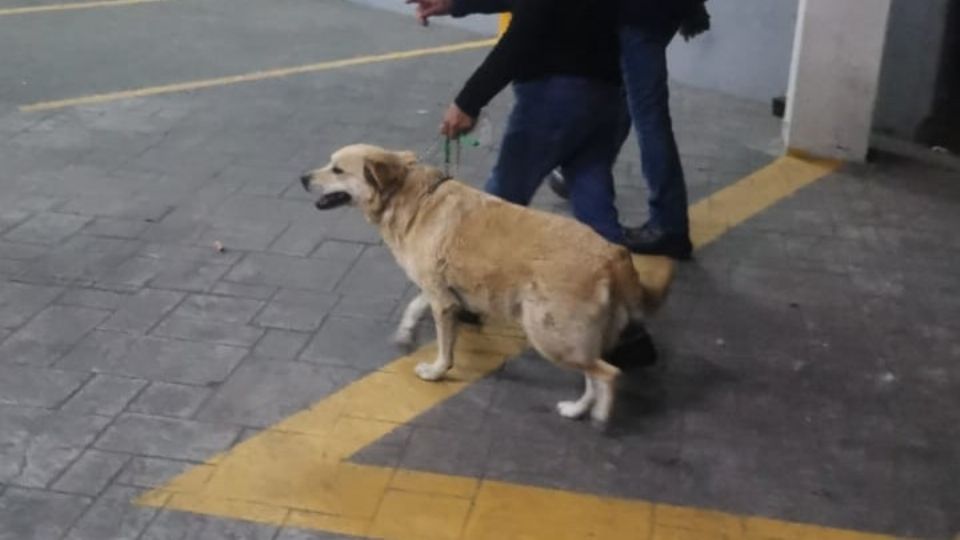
{"x": 644, "y": 281}
{"x": 641, "y": 284}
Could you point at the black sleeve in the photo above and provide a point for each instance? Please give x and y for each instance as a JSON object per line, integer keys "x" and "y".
{"x": 516, "y": 48}
{"x": 462, "y": 8}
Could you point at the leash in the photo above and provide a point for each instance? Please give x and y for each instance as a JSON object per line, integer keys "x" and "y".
{"x": 452, "y": 152}
{"x": 453, "y": 146}
{"x": 428, "y": 153}
{"x": 446, "y": 156}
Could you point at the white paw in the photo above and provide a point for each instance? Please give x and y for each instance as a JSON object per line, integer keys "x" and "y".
{"x": 427, "y": 372}
{"x": 600, "y": 415}
{"x": 403, "y": 338}
{"x": 571, "y": 409}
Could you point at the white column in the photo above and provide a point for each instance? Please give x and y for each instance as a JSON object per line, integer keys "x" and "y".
{"x": 837, "y": 54}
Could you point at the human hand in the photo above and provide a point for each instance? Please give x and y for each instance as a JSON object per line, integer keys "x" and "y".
{"x": 456, "y": 122}
{"x": 431, "y": 8}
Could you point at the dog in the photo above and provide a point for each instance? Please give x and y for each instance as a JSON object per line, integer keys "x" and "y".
{"x": 570, "y": 290}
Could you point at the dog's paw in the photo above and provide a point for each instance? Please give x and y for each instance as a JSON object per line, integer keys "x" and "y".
{"x": 427, "y": 372}
{"x": 404, "y": 340}
{"x": 571, "y": 409}
{"x": 604, "y": 428}
{"x": 599, "y": 416}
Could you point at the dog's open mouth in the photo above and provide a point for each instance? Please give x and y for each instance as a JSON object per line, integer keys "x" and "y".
{"x": 333, "y": 200}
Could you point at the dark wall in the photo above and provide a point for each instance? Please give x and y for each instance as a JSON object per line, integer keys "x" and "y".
{"x": 911, "y": 66}
{"x": 942, "y": 127}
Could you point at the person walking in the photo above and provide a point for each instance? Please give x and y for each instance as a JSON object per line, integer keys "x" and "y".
{"x": 646, "y": 28}
{"x": 562, "y": 58}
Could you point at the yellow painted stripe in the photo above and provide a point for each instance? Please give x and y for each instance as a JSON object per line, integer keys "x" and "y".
{"x": 744, "y": 199}
{"x": 503, "y": 22}
{"x": 72, "y": 6}
{"x": 257, "y": 76}
{"x": 299, "y": 464}
{"x": 296, "y": 473}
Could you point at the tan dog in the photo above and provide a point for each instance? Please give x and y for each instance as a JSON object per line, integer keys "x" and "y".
{"x": 571, "y": 291}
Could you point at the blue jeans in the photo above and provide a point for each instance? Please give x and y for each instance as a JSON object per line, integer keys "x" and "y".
{"x": 573, "y": 123}
{"x": 644, "y": 65}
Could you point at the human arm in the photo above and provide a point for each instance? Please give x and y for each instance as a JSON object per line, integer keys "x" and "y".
{"x": 518, "y": 47}
{"x": 458, "y": 8}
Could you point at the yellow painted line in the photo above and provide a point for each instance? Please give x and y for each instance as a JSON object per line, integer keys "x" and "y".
{"x": 256, "y": 76}
{"x": 744, "y": 199}
{"x": 299, "y": 464}
{"x": 296, "y": 473}
{"x": 72, "y": 6}
{"x": 503, "y": 22}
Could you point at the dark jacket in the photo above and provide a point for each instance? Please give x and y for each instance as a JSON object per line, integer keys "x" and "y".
{"x": 462, "y": 8}
{"x": 664, "y": 13}
{"x": 545, "y": 38}
{"x": 656, "y": 13}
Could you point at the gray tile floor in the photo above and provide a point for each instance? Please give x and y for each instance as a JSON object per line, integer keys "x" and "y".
{"x": 811, "y": 354}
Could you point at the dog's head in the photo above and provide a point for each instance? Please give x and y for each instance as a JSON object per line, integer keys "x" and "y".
{"x": 361, "y": 175}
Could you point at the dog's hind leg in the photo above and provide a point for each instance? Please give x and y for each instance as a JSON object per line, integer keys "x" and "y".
{"x": 599, "y": 380}
{"x": 576, "y": 409}
{"x": 575, "y": 344}
{"x": 413, "y": 314}
{"x": 445, "y": 316}
{"x": 604, "y": 378}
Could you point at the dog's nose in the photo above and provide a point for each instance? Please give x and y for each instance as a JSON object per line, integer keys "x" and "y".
{"x": 305, "y": 180}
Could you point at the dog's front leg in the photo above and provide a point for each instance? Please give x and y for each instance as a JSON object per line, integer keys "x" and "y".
{"x": 445, "y": 316}
{"x": 406, "y": 331}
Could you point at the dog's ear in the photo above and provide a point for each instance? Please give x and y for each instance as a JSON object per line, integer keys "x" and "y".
{"x": 383, "y": 171}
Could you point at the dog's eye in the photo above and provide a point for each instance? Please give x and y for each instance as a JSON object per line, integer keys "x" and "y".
{"x": 337, "y": 170}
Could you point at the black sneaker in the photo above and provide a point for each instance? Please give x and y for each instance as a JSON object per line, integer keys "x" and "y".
{"x": 648, "y": 240}
{"x": 558, "y": 185}
{"x": 634, "y": 350}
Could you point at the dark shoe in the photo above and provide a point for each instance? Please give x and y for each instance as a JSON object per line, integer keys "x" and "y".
{"x": 649, "y": 240}
{"x": 634, "y": 350}
{"x": 469, "y": 317}
{"x": 558, "y": 185}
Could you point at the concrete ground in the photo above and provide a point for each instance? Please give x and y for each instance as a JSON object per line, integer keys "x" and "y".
{"x": 154, "y": 388}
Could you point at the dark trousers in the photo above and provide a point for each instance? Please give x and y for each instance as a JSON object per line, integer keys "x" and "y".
{"x": 573, "y": 123}
{"x": 644, "y": 65}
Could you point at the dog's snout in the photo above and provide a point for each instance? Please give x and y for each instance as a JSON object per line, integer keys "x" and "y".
{"x": 305, "y": 180}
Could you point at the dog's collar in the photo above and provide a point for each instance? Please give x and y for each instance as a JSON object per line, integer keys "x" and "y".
{"x": 443, "y": 179}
